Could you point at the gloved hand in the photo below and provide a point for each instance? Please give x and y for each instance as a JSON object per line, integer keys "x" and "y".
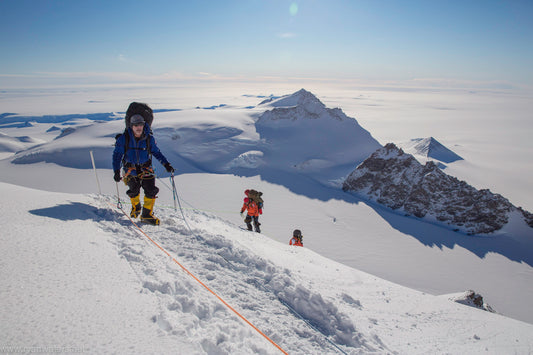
{"x": 169, "y": 168}
{"x": 241, "y": 214}
{"x": 116, "y": 177}
{"x": 260, "y": 211}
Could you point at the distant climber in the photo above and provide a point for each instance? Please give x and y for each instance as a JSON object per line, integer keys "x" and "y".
{"x": 133, "y": 150}
{"x": 297, "y": 238}
{"x": 254, "y": 208}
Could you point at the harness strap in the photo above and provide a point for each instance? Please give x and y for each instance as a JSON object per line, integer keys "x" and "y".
{"x": 143, "y": 173}
{"x": 128, "y": 172}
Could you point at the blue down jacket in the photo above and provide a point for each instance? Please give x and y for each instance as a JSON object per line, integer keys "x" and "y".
{"x": 137, "y": 154}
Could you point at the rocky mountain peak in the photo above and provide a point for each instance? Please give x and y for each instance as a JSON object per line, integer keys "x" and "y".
{"x": 302, "y": 98}
{"x": 397, "y": 180}
{"x": 300, "y": 105}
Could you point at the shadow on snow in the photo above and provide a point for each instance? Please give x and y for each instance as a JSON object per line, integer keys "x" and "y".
{"x": 76, "y": 211}
{"x": 514, "y": 248}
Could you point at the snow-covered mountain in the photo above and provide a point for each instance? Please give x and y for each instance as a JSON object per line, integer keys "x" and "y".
{"x": 13, "y": 144}
{"x": 292, "y": 134}
{"x": 303, "y": 135}
{"x": 397, "y": 180}
{"x": 430, "y": 149}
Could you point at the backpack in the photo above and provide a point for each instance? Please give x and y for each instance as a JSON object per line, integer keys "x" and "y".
{"x": 256, "y": 197}
{"x": 299, "y": 237}
{"x": 137, "y": 108}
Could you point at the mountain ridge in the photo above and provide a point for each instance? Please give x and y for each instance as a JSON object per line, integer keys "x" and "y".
{"x": 397, "y": 180}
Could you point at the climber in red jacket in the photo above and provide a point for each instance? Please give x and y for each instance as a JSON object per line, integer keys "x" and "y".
{"x": 297, "y": 238}
{"x": 253, "y": 214}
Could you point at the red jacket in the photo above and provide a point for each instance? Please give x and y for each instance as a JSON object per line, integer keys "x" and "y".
{"x": 297, "y": 242}
{"x": 251, "y": 206}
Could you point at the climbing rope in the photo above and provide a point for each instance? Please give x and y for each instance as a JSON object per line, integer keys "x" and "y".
{"x": 176, "y": 198}
{"x": 260, "y": 285}
{"x": 201, "y": 283}
{"x": 191, "y": 207}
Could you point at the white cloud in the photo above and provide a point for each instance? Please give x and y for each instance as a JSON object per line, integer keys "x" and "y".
{"x": 81, "y": 79}
{"x": 287, "y": 35}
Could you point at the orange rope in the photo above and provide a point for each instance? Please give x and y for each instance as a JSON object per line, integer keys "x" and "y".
{"x": 204, "y": 285}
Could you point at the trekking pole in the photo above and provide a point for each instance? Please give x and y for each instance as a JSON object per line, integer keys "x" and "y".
{"x": 176, "y": 198}
{"x": 173, "y": 190}
{"x": 119, "y": 204}
{"x": 95, "y": 173}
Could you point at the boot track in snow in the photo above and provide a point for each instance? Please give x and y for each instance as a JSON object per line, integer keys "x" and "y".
{"x": 212, "y": 255}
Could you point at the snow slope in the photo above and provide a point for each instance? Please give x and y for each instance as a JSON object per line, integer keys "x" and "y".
{"x": 78, "y": 276}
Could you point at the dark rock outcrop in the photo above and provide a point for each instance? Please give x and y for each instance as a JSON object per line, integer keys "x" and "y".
{"x": 472, "y": 299}
{"x": 397, "y": 180}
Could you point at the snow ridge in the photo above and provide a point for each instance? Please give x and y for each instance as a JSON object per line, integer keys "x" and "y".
{"x": 14, "y": 144}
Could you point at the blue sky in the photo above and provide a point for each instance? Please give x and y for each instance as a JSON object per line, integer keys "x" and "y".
{"x": 474, "y": 40}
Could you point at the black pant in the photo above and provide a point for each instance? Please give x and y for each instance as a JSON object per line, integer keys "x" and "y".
{"x": 148, "y": 185}
{"x": 249, "y": 218}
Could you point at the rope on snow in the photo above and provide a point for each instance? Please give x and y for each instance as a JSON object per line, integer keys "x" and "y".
{"x": 201, "y": 283}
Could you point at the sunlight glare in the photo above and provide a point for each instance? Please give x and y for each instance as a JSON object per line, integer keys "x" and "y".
{"x": 293, "y": 9}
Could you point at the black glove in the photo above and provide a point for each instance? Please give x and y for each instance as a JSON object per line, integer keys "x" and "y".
{"x": 117, "y": 176}
{"x": 169, "y": 168}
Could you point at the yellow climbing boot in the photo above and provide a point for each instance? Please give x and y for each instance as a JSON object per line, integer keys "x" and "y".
{"x": 135, "y": 207}
{"x": 147, "y": 215}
